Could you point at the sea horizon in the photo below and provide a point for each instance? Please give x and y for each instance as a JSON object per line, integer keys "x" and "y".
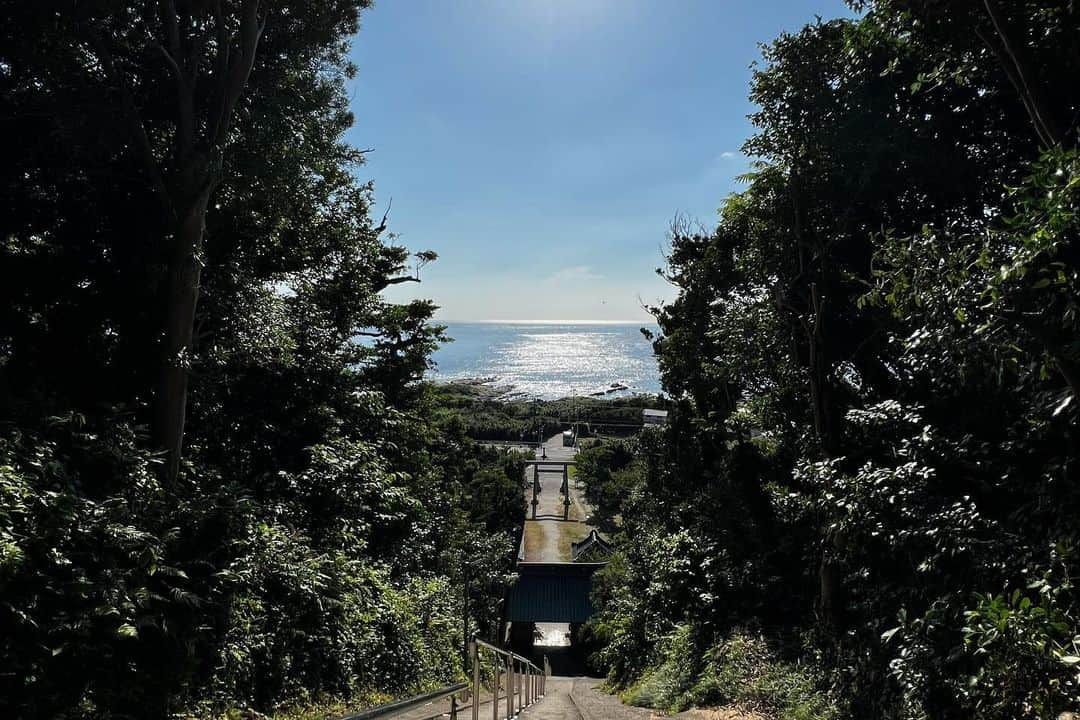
{"x": 544, "y": 322}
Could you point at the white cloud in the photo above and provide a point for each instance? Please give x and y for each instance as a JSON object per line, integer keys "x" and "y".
{"x": 574, "y": 274}
{"x": 727, "y": 155}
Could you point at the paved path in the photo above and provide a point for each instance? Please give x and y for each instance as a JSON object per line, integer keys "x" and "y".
{"x": 578, "y": 698}
{"x": 548, "y": 538}
{"x": 440, "y": 709}
{"x": 573, "y": 698}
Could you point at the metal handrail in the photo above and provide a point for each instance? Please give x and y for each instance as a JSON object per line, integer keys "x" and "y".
{"x": 510, "y": 653}
{"x": 399, "y": 706}
{"x": 527, "y": 685}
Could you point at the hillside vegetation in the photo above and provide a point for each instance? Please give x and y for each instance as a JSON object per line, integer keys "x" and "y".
{"x": 227, "y": 487}
{"x": 309, "y": 546}
{"x": 867, "y": 500}
{"x": 483, "y": 414}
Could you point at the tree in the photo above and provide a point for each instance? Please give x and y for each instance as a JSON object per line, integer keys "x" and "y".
{"x": 872, "y": 357}
{"x": 209, "y": 51}
{"x": 305, "y": 548}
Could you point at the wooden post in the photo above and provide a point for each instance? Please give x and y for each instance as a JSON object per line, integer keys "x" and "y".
{"x": 520, "y": 687}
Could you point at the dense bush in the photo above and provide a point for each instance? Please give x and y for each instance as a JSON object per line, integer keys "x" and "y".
{"x": 873, "y": 359}
{"x": 316, "y": 540}
{"x": 609, "y": 472}
{"x": 121, "y": 598}
{"x": 484, "y": 417}
{"x": 741, "y": 672}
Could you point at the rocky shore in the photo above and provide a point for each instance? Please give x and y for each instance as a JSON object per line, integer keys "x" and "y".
{"x": 490, "y": 388}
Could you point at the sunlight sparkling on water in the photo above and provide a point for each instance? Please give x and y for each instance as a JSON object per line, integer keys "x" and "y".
{"x": 550, "y": 362}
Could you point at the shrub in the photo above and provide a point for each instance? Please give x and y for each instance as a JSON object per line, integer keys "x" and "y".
{"x": 741, "y": 670}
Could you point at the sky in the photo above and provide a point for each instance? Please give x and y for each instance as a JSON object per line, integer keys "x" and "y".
{"x": 543, "y": 147}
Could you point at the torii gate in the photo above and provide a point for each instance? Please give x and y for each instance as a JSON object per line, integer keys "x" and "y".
{"x": 563, "y": 465}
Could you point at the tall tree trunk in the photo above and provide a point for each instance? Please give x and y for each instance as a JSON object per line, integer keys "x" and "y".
{"x": 185, "y": 178}
{"x": 185, "y": 274}
{"x": 811, "y": 317}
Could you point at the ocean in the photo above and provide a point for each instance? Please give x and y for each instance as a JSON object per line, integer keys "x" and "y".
{"x": 551, "y": 361}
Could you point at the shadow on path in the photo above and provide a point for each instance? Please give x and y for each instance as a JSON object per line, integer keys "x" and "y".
{"x": 566, "y": 660}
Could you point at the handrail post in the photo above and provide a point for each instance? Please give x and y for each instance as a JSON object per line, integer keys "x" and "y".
{"x": 495, "y": 689}
{"x": 509, "y": 687}
{"x": 474, "y": 653}
{"x": 520, "y": 683}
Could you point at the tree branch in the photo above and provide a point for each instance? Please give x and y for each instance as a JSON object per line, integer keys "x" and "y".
{"x": 172, "y": 27}
{"x": 381, "y": 227}
{"x": 399, "y": 280}
{"x": 395, "y": 281}
{"x": 224, "y": 43}
{"x": 239, "y": 69}
{"x": 1009, "y": 54}
{"x": 143, "y": 149}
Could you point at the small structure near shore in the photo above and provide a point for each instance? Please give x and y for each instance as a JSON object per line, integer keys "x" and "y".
{"x": 654, "y": 417}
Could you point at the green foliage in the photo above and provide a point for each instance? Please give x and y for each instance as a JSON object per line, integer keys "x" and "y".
{"x": 104, "y": 605}
{"x": 483, "y": 415}
{"x": 1027, "y": 645}
{"x": 873, "y": 361}
{"x": 740, "y": 671}
{"x": 609, "y": 474}
{"x": 319, "y": 538}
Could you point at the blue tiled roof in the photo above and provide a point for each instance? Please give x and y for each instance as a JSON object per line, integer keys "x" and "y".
{"x": 552, "y": 592}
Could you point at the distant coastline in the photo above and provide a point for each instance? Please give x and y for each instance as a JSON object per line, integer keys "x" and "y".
{"x": 490, "y": 388}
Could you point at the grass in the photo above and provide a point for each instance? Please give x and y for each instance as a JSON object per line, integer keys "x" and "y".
{"x": 569, "y": 533}
{"x": 534, "y": 539}
{"x": 314, "y": 709}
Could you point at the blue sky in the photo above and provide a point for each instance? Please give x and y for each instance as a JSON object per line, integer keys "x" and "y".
{"x": 542, "y": 147}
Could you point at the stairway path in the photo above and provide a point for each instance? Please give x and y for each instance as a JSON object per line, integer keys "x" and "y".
{"x": 580, "y": 698}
